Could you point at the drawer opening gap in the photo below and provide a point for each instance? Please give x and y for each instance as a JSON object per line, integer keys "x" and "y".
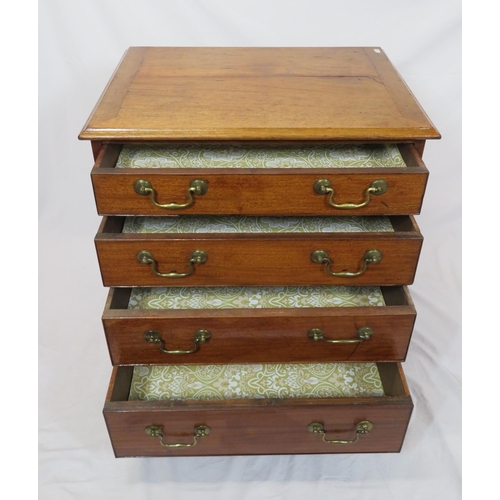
{"x": 394, "y": 296}
{"x": 120, "y": 298}
{"x": 402, "y": 223}
{"x": 112, "y": 224}
{"x": 410, "y": 155}
{"x": 108, "y": 156}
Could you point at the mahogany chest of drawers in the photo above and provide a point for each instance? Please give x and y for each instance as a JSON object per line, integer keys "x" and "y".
{"x": 258, "y": 239}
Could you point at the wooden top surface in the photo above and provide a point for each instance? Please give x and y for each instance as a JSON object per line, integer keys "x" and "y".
{"x": 176, "y": 93}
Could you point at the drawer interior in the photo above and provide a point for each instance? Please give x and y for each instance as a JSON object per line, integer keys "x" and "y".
{"x": 203, "y": 224}
{"x": 257, "y": 297}
{"x": 380, "y": 380}
{"x": 175, "y": 298}
{"x": 259, "y": 156}
{"x": 255, "y": 381}
{"x": 255, "y": 155}
{"x": 392, "y": 224}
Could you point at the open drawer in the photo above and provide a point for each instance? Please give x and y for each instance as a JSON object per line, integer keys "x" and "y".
{"x": 279, "y": 409}
{"x": 246, "y": 251}
{"x": 220, "y": 325}
{"x": 266, "y": 178}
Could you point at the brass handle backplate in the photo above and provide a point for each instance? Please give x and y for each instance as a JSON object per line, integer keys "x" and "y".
{"x": 364, "y": 333}
{"x": 371, "y": 257}
{"x": 324, "y": 186}
{"x": 196, "y": 257}
{"x": 154, "y": 337}
{"x": 363, "y": 427}
{"x": 156, "y": 431}
{"x": 196, "y": 187}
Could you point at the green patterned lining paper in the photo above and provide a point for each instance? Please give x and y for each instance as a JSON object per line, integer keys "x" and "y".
{"x": 220, "y": 156}
{"x": 257, "y": 297}
{"x": 241, "y": 224}
{"x": 216, "y": 382}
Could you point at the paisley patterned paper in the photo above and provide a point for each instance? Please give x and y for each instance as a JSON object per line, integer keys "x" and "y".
{"x": 182, "y": 224}
{"x": 268, "y": 156}
{"x": 217, "y": 382}
{"x": 257, "y": 297}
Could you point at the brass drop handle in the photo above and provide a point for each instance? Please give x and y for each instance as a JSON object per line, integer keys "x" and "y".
{"x": 196, "y": 187}
{"x": 154, "y": 337}
{"x": 364, "y": 333}
{"x": 324, "y": 186}
{"x": 196, "y": 257}
{"x": 371, "y": 257}
{"x": 363, "y": 427}
{"x": 156, "y": 431}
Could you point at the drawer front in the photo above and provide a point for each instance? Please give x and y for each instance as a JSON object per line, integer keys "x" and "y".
{"x": 258, "y": 431}
{"x": 278, "y": 335}
{"x": 266, "y": 426}
{"x": 275, "y": 191}
{"x": 257, "y": 259}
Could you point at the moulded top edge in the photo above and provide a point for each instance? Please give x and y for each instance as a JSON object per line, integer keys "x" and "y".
{"x": 182, "y": 93}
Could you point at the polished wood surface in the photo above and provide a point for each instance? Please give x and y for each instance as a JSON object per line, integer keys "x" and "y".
{"x": 258, "y": 259}
{"x": 259, "y": 191}
{"x": 253, "y": 95}
{"x": 177, "y": 93}
{"x": 259, "y": 335}
{"x": 260, "y": 426}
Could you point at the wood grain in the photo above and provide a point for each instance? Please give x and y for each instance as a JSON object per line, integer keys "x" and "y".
{"x": 258, "y": 259}
{"x": 265, "y": 426}
{"x": 258, "y": 335}
{"x": 226, "y": 95}
{"x": 172, "y": 93}
{"x": 259, "y": 191}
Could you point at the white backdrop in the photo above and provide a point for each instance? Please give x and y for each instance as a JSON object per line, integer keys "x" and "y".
{"x": 80, "y": 46}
